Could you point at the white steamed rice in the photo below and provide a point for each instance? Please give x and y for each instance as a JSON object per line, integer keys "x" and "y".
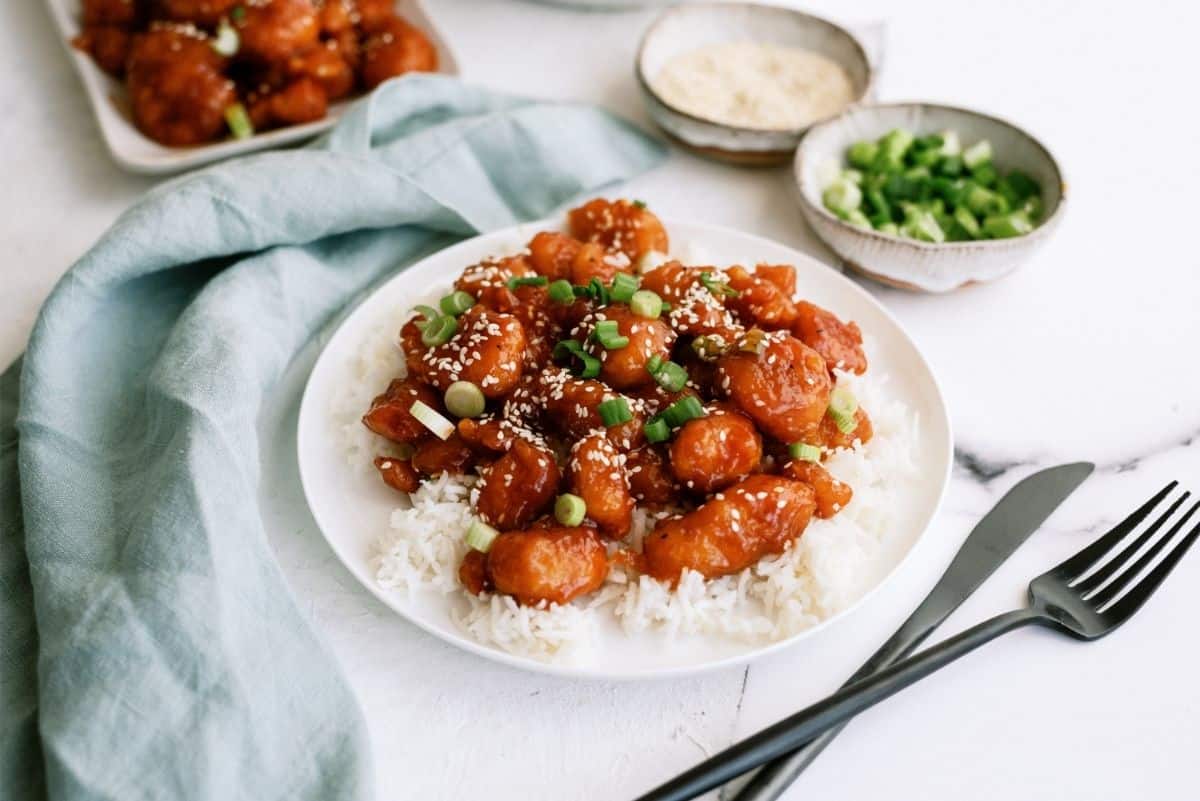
{"x": 832, "y": 565}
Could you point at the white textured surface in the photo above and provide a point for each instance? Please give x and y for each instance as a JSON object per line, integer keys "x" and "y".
{"x": 1087, "y": 352}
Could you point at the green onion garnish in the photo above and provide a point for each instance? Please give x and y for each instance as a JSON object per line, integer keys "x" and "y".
{"x": 709, "y": 348}
{"x": 227, "y": 41}
{"x": 609, "y": 337}
{"x": 842, "y": 408}
{"x": 682, "y": 410}
{"x": 640, "y": 204}
{"x": 614, "y": 412}
{"x": 584, "y": 364}
{"x": 456, "y": 303}
{"x": 654, "y": 364}
{"x": 805, "y": 452}
{"x": 569, "y": 510}
{"x": 717, "y": 287}
{"x": 480, "y": 536}
{"x": 623, "y": 287}
{"x": 753, "y": 341}
{"x": 239, "y": 121}
{"x": 439, "y": 331}
{"x": 598, "y": 292}
{"x": 429, "y": 313}
{"x": 671, "y": 377}
{"x": 431, "y": 419}
{"x": 657, "y": 430}
{"x": 561, "y": 292}
{"x": 527, "y": 280}
{"x": 464, "y": 399}
{"x": 238, "y": 14}
{"x": 645, "y": 303}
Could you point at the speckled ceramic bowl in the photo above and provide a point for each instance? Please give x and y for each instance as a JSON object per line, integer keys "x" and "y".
{"x": 686, "y": 27}
{"x": 906, "y": 263}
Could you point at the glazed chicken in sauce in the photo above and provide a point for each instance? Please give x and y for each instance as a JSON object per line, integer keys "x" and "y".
{"x": 583, "y": 388}
{"x": 200, "y": 70}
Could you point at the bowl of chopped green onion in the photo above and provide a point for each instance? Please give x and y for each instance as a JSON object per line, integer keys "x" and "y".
{"x": 928, "y": 197}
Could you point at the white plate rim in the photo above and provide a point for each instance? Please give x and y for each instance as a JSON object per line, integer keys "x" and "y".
{"x": 307, "y": 410}
{"x": 120, "y": 135}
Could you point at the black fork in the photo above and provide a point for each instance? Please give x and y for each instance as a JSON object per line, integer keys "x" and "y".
{"x": 1087, "y": 597}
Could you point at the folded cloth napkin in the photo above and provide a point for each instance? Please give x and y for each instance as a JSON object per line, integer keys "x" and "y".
{"x": 150, "y": 646}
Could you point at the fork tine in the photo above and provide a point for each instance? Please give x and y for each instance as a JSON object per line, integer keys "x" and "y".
{"x": 1123, "y": 609}
{"x": 1118, "y": 562}
{"x": 1127, "y": 577}
{"x": 1078, "y": 564}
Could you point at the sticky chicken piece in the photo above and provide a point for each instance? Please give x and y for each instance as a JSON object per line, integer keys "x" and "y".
{"x": 596, "y": 472}
{"x": 272, "y": 31}
{"x": 569, "y": 404}
{"x": 397, "y": 473}
{"x": 434, "y": 456}
{"x": 396, "y": 48}
{"x": 390, "y": 415}
{"x": 328, "y": 67}
{"x": 695, "y": 309}
{"x": 485, "y": 434}
{"x": 781, "y": 275}
{"x": 177, "y": 89}
{"x": 472, "y": 573}
{"x": 203, "y": 13}
{"x": 492, "y": 274}
{"x": 122, "y": 13}
{"x": 625, "y": 368}
{"x": 831, "y": 495}
{"x": 488, "y": 349}
{"x": 554, "y": 565}
{"x": 552, "y": 254}
{"x": 650, "y": 478}
{"x": 108, "y": 45}
{"x": 373, "y": 15}
{"x": 828, "y": 435}
{"x": 518, "y": 486}
{"x": 734, "y": 529}
{"x": 784, "y": 389}
{"x": 619, "y": 225}
{"x": 336, "y": 16}
{"x": 759, "y": 302}
{"x": 715, "y": 451}
{"x": 839, "y": 343}
{"x": 302, "y": 100}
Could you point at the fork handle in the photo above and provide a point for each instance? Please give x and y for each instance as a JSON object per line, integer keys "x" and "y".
{"x": 792, "y": 732}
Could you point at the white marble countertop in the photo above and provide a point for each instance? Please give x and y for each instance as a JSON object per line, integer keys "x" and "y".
{"x": 1086, "y": 353}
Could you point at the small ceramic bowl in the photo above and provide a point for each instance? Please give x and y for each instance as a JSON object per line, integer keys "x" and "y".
{"x": 907, "y": 263}
{"x": 686, "y": 27}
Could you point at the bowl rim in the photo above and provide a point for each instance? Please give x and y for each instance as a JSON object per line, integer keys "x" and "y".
{"x": 647, "y": 87}
{"x": 1041, "y": 230}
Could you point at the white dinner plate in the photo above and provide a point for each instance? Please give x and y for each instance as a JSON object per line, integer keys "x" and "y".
{"x": 352, "y": 507}
{"x": 136, "y": 152}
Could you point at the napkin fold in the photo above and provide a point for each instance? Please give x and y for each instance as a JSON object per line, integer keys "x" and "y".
{"x": 150, "y": 645}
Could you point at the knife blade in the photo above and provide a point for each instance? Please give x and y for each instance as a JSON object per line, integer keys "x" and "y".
{"x": 996, "y": 537}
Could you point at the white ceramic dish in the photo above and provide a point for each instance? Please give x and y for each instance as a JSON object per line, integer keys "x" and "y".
{"x": 907, "y": 263}
{"x": 138, "y": 153}
{"x": 352, "y": 507}
{"x": 686, "y": 27}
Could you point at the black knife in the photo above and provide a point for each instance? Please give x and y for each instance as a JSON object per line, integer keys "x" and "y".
{"x": 1019, "y": 513}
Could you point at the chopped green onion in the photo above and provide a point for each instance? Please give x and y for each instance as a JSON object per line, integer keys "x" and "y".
{"x": 527, "y": 280}
{"x": 753, "y": 341}
{"x": 480, "y": 536}
{"x": 645, "y": 303}
{"x": 623, "y": 287}
{"x": 709, "y": 348}
{"x": 227, "y": 41}
{"x": 598, "y": 292}
{"x": 639, "y": 204}
{"x": 654, "y": 364}
{"x": 657, "y": 430}
{"x": 456, "y": 303}
{"x": 977, "y": 154}
{"x": 614, "y": 412}
{"x": 671, "y": 376}
{"x": 561, "y": 292}
{"x": 429, "y": 313}
{"x": 439, "y": 331}
{"x": 985, "y": 174}
{"x": 893, "y": 147}
{"x": 587, "y": 366}
{"x": 666, "y": 307}
{"x": 862, "y": 154}
{"x": 923, "y": 226}
{"x": 716, "y": 286}
{"x": 238, "y": 14}
{"x": 238, "y": 121}
{"x": 605, "y": 328}
{"x": 951, "y": 145}
{"x": 569, "y": 510}
{"x": 1003, "y": 226}
{"x": 805, "y": 452}
{"x": 842, "y": 408}
{"x": 464, "y": 399}
{"x": 431, "y": 419}
{"x": 842, "y": 196}
{"x": 966, "y": 220}
{"x": 682, "y": 410}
